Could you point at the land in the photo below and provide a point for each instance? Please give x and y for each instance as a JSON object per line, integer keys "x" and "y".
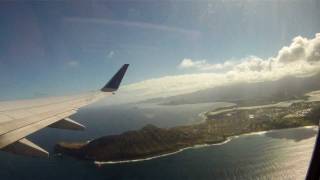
{"x": 248, "y": 94}
{"x": 218, "y": 126}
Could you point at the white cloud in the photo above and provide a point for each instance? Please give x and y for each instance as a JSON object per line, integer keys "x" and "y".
{"x": 110, "y": 54}
{"x": 189, "y": 63}
{"x": 300, "y": 58}
{"x": 203, "y": 65}
{"x": 72, "y": 63}
{"x": 135, "y": 24}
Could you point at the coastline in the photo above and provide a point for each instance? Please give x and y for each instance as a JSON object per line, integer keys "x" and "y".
{"x": 223, "y": 140}
{"x": 228, "y": 139}
{"x": 163, "y": 155}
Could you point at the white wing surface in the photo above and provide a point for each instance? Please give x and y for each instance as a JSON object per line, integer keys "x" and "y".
{"x": 19, "y": 119}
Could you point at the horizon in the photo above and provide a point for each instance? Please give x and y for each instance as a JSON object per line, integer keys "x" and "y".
{"x": 109, "y": 89}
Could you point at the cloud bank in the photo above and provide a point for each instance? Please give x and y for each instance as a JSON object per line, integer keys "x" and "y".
{"x": 300, "y": 58}
{"x": 203, "y": 65}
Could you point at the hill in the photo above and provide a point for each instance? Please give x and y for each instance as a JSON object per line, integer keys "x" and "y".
{"x": 245, "y": 94}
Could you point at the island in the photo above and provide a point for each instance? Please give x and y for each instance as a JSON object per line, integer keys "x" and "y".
{"x": 218, "y": 126}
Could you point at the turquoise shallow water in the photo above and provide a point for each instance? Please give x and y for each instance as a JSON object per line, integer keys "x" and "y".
{"x": 282, "y": 154}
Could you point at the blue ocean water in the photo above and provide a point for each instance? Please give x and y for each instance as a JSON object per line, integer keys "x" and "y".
{"x": 281, "y": 154}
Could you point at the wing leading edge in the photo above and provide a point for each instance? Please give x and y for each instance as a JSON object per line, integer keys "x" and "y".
{"x": 19, "y": 119}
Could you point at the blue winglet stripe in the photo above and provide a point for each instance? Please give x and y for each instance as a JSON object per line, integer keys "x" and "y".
{"x": 115, "y": 81}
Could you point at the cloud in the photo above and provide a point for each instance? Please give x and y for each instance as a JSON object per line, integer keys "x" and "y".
{"x": 203, "y": 65}
{"x": 72, "y": 63}
{"x": 189, "y": 63}
{"x": 300, "y": 58}
{"x": 136, "y": 24}
{"x": 110, "y": 54}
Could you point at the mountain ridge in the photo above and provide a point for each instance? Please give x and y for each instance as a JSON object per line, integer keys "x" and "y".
{"x": 287, "y": 88}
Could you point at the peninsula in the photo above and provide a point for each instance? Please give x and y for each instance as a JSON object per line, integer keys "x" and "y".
{"x": 218, "y": 126}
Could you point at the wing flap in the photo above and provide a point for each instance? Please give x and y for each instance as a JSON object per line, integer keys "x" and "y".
{"x": 67, "y": 123}
{"x": 12, "y": 136}
{"x": 17, "y": 118}
{"x": 29, "y": 120}
{"x": 26, "y": 147}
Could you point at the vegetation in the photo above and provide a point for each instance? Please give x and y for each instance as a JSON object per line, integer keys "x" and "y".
{"x": 151, "y": 140}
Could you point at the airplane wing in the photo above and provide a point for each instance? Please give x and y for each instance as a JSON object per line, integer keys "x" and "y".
{"x": 19, "y": 119}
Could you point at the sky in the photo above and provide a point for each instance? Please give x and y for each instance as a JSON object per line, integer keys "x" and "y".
{"x": 50, "y": 48}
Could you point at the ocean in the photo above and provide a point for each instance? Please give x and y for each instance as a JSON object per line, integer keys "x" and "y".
{"x": 279, "y": 154}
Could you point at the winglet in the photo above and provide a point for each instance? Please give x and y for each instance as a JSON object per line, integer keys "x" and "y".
{"x": 115, "y": 81}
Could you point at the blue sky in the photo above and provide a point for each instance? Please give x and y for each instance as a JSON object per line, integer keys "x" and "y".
{"x": 54, "y": 48}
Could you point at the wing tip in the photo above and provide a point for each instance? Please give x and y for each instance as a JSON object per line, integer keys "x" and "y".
{"x": 114, "y": 83}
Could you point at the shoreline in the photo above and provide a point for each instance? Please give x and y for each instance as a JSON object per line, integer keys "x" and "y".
{"x": 99, "y": 163}
{"x": 162, "y": 155}
{"x": 203, "y": 117}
